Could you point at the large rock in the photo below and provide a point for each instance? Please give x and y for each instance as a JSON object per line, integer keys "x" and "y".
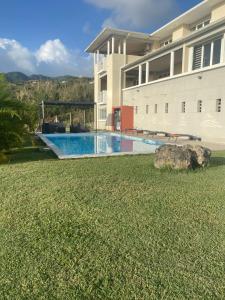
{"x": 181, "y": 157}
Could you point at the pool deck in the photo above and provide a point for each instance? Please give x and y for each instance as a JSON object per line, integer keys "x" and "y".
{"x": 182, "y": 141}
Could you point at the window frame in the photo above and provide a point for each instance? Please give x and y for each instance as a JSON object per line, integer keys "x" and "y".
{"x": 212, "y": 49}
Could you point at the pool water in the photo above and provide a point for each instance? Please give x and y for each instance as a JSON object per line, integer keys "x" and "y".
{"x": 97, "y": 144}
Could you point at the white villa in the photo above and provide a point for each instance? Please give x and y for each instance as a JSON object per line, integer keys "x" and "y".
{"x": 171, "y": 80}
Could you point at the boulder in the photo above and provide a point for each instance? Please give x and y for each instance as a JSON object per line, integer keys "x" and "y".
{"x": 201, "y": 155}
{"x": 181, "y": 157}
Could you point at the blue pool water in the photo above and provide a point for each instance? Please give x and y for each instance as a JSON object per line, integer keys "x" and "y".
{"x": 97, "y": 144}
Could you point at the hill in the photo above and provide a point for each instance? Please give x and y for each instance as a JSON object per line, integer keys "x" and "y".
{"x": 20, "y": 78}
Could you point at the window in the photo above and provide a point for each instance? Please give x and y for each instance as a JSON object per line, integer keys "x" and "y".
{"x": 166, "y": 42}
{"x": 218, "y": 105}
{"x": 166, "y": 108}
{"x": 159, "y": 68}
{"x": 143, "y": 73}
{"x": 197, "y": 57}
{"x": 131, "y": 77}
{"x": 102, "y": 114}
{"x": 207, "y": 54}
{"x": 156, "y": 108}
{"x": 216, "y": 52}
{"x": 136, "y": 110}
{"x": 200, "y": 25}
{"x": 199, "y": 106}
{"x": 147, "y": 109}
{"x": 183, "y": 107}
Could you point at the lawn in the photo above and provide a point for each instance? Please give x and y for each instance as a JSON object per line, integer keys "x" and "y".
{"x": 110, "y": 228}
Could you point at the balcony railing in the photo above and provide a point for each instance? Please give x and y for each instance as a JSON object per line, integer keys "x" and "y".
{"x": 102, "y": 97}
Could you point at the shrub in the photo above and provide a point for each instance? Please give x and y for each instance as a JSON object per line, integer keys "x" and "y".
{"x": 16, "y": 118}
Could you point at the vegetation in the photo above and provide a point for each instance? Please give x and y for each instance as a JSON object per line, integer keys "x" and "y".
{"x": 16, "y": 119}
{"x": 110, "y": 228}
{"x": 36, "y": 88}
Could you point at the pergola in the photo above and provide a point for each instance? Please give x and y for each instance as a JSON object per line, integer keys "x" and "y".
{"x": 72, "y": 103}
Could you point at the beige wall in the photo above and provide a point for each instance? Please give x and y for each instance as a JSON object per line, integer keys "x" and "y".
{"x": 180, "y": 32}
{"x": 209, "y": 124}
{"x": 218, "y": 12}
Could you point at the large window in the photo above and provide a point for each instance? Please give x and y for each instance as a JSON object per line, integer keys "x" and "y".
{"x": 207, "y": 54}
{"x": 159, "y": 68}
{"x": 132, "y": 77}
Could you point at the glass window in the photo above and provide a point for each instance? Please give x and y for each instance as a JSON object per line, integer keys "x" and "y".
{"x": 131, "y": 77}
{"x": 156, "y": 108}
{"x": 147, "y": 109}
{"x": 216, "y": 51}
{"x": 207, "y": 55}
{"x": 143, "y": 73}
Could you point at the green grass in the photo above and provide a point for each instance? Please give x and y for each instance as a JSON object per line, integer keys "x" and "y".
{"x": 110, "y": 228}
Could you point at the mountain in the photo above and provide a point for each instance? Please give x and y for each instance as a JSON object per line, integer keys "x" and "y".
{"x": 20, "y": 78}
{"x": 16, "y": 77}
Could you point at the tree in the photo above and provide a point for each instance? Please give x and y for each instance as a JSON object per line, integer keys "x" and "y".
{"x": 16, "y": 118}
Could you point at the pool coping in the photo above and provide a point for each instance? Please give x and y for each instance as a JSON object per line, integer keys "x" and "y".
{"x": 62, "y": 156}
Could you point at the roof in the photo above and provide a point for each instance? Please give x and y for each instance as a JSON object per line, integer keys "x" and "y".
{"x": 193, "y": 15}
{"x": 106, "y": 33}
{"x": 69, "y": 103}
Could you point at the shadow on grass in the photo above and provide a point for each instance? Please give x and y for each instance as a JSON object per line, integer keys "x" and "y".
{"x": 28, "y": 154}
{"x": 217, "y": 161}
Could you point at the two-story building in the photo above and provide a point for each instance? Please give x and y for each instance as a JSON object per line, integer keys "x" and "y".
{"x": 171, "y": 80}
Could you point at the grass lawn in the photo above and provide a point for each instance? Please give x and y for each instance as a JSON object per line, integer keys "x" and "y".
{"x": 110, "y": 228}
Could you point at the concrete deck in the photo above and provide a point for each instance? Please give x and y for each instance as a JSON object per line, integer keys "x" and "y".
{"x": 182, "y": 141}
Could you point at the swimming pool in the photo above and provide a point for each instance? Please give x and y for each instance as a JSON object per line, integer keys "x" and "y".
{"x": 97, "y": 144}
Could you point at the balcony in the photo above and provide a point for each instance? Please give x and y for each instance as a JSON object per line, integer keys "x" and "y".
{"x": 102, "y": 99}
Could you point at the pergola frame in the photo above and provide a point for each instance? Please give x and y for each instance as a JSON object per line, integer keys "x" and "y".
{"x": 72, "y": 103}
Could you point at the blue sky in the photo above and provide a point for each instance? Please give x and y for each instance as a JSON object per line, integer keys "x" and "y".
{"x": 49, "y": 36}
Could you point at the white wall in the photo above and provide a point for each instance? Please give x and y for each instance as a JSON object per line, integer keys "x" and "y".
{"x": 209, "y": 124}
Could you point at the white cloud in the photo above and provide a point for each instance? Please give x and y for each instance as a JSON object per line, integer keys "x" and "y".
{"x": 52, "y": 58}
{"x": 13, "y": 53}
{"x": 53, "y": 51}
{"x": 136, "y": 14}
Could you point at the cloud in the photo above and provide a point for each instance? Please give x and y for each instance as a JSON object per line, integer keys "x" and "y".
{"x": 52, "y": 58}
{"x": 14, "y": 55}
{"x": 53, "y": 51}
{"x": 136, "y": 14}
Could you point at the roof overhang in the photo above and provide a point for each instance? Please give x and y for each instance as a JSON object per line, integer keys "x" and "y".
{"x": 107, "y": 33}
{"x": 191, "y": 16}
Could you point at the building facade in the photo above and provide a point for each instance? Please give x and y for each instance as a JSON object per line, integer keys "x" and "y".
{"x": 171, "y": 80}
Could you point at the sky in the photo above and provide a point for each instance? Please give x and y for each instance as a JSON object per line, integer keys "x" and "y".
{"x": 49, "y": 36}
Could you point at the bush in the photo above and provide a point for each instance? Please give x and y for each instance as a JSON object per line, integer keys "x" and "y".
{"x": 16, "y": 118}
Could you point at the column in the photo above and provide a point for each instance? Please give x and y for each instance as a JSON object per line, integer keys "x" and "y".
{"x": 108, "y": 47}
{"x": 171, "y": 64}
{"x": 139, "y": 75}
{"x": 147, "y": 72}
{"x": 113, "y": 45}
